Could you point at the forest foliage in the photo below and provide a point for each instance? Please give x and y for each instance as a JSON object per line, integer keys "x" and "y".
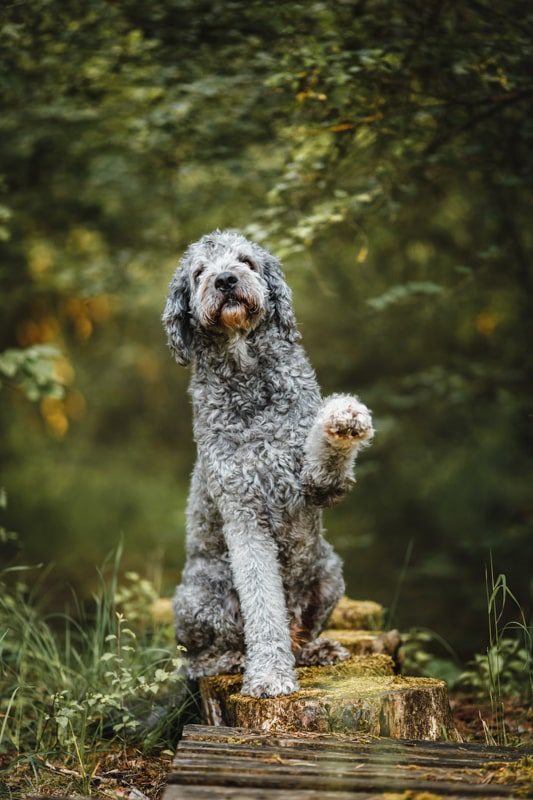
{"x": 385, "y": 151}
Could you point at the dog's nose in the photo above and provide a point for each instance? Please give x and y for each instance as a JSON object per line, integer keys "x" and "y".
{"x": 225, "y": 281}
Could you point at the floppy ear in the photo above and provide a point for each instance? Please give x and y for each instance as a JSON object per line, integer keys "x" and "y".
{"x": 281, "y": 299}
{"x": 176, "y": 317}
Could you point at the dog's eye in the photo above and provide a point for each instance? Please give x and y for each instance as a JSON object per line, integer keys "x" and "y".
{"x": 196, "y": 274}
{"x": 247, "y": 261}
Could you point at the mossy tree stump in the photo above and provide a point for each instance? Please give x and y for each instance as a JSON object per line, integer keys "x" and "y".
{"x": 356, "y": 615}
{"x": 360, "y": 694}
{"x": 358, "y": 626}
{"x": 366, "y": 643}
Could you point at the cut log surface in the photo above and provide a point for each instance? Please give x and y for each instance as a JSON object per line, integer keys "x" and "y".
{"x": 356, "y": 615}
{"x": 254, "y": 765}
{"x": 360, "y": 694}
{"x": 363, "y": 643}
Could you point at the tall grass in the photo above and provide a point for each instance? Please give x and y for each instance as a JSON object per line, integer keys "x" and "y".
{"x": 503, "y": 671}
{"x": 74, "y": 684}
{"x": 501, "y": 650}
{"x": 506, "y": 668}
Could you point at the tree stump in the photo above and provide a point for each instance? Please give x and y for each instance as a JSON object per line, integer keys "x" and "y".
{"x": 360, "y": 694}
{"x": 356, "y": 615}
{"x": 365, "y": 643}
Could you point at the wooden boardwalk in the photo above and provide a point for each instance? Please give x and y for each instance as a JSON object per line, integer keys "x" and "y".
{"x": 216, "y": 762}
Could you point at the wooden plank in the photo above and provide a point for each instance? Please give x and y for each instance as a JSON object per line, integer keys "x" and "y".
{"x": 335, "y": 782}
{"x": 175, "y": 792}
{"x": 249, "y": 763}
{"x": 374, "y": 754}
{"x": 187, "y": 792}
{"x": 346, "y": 742}
{"x": 277, "y": 764}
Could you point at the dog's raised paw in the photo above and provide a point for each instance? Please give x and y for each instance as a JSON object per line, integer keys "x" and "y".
{"x": 271, "y": 685}
{"x": 347, "y": 421}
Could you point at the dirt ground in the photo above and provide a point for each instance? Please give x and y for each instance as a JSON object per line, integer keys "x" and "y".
{"x": 469, "y": 712}
{"x": 131, "y": 775}
{"x": 123, "y": 774}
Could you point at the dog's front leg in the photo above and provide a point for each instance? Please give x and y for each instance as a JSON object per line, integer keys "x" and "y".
{"x": 342, "y": 426}
{"x": 254, "y": 562}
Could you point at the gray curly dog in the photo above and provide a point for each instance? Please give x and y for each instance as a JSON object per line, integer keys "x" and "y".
{"x": 260, "y": 580}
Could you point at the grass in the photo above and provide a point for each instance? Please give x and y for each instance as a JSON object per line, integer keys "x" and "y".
{"x": 503, "y": 673}
{"x": 92, "y": 699}
{"x": 506, "y": 668}
{"x": 78, "y": 688}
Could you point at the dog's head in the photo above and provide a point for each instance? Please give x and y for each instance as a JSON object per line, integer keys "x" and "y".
{"x": 225, "y": 284}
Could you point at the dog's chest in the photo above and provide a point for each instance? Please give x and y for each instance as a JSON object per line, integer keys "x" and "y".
{"x": 247, "y": 402}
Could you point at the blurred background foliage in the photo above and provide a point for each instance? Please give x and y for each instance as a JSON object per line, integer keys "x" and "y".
{"x": 385, "y": 151}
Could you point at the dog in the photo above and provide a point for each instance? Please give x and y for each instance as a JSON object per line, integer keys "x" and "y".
{"x": 260, "y": 580}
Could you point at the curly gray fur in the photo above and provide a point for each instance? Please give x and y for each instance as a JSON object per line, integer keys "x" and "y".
{"x": 260, "y": 579}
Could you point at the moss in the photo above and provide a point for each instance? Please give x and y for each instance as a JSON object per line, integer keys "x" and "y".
{"x": 345, "y": 686}
{"x": 349, "y": 637}
{"x": 311, "y": 677}
{"x": 360, "y": 676}
{"x": 223, "y": 684}
{"x": 354, "y": 666}
{"x": 410, "y": 795}
{"x": 518, "y": 772}
{"x": 360, "y": 642}
{"x": 356, "y": 615}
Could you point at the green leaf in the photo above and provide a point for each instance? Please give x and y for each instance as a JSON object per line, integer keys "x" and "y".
{"x": 108, "y": 657}
{"x": 403, "y": 292}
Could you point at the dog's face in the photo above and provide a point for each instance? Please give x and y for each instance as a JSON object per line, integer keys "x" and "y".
{"x": 225, "y": 284}
{"x": 227, "y": 287}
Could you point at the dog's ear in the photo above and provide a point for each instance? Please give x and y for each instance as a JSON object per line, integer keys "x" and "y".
{"x": 176, "y": 317}
{"x": 281, "y": 298}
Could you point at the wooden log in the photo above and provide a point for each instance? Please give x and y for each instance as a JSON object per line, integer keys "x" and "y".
{"x": 360, "y": 694}
{"x": 360, "y": 615}
{"x": 364, "y": 643}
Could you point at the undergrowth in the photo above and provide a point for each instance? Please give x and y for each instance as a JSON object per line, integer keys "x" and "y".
{"x": 74, "y": 686}
{"x": 506, "y": 668}
{"x": 504, "y": 671}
